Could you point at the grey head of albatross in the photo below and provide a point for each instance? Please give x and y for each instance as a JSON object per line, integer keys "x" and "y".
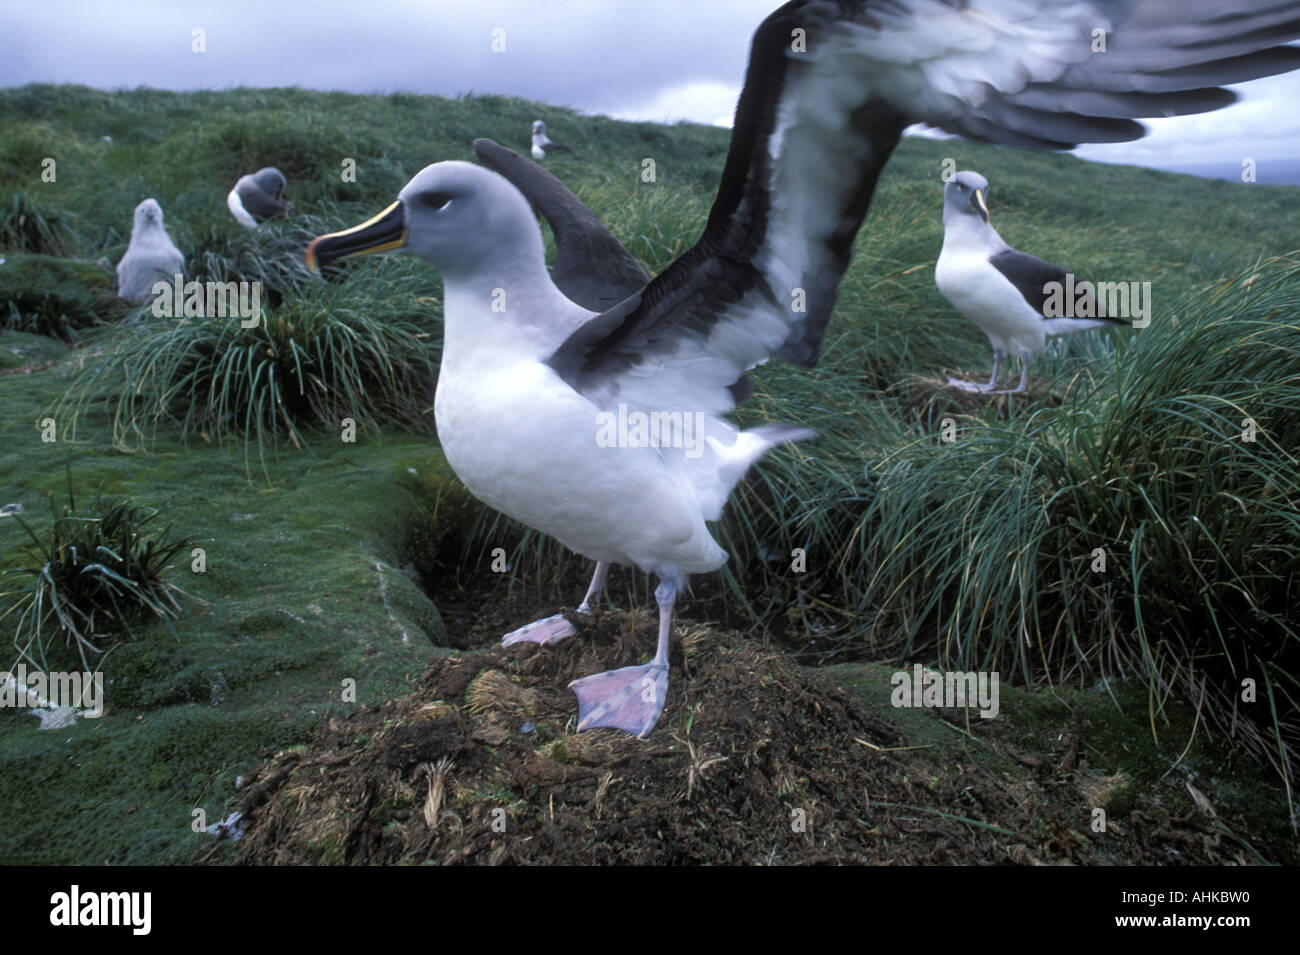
{"x": 466, "y": 221}
{"x": 965, "y": 194}
{"x": 148, "y": 215}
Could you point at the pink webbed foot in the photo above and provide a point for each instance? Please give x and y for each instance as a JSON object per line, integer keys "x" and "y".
{"x": 629, "y": 699}
{"x": 543, "y": 632}
{"x": 970, "y": 385}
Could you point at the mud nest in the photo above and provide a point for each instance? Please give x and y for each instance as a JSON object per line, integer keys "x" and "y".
{"x": 755, "y": 760}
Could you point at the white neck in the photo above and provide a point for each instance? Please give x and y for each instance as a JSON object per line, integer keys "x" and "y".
{"x": 502, "y": 313}
{"x": 971, "y": 232}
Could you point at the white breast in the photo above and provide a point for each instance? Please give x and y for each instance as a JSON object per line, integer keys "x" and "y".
{"x": 525, "y": 443}
{"x": 983, "y": 295}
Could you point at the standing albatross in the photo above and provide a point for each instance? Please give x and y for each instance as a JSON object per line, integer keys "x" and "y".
{"x": 542, "y": 144}
{"x": 1003, "y": 291}
{"x": 530, "y": 379}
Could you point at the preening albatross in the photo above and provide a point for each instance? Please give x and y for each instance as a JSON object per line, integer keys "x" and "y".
{"x": 530, "y": 379}
{"x": 1005, "y": 292}
{"x": 256, "y": 197}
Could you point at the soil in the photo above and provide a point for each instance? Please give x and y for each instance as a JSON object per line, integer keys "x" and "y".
{"x": 756, "y": 760}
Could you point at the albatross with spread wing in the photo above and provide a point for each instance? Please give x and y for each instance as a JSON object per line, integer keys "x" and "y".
{"x": 528, "y": 375}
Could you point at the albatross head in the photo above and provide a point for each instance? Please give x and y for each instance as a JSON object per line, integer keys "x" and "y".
{"x": 456, "y": 216}
{"x": 270, "y": 180}
{"x": 964, "y": 195}
{"x": 539, "y": 128}
{"x": 148, "y": 215}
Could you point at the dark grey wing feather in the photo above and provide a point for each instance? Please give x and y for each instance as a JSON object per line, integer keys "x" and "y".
{"x": 260, "y": 204}
{"x": 1161, "y": 58}
{"x": 1029, "y": 274}
{"x": 734, "y": 298}
{"x": 592, "y": 268}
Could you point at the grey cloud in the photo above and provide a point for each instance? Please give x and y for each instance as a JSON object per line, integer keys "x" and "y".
{"x": 608, "y": 56}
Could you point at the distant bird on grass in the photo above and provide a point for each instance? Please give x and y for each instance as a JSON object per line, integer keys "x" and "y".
{"x": 536, "y": 394}
{"x": 151, "y": 257}
{"x": 256, "y": 197}
{"x": 1004, "y": 292}
{"x": 542, "y": 143}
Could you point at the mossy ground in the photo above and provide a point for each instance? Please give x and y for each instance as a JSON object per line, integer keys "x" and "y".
{"x": 302, "y": 590}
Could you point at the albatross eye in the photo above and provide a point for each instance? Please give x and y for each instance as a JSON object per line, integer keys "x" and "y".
{"x": 433, "y": 201}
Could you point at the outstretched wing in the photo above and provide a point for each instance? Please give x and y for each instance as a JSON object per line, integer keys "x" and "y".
{"x": 830, "y": 86}
{"x": 591, "y": 266}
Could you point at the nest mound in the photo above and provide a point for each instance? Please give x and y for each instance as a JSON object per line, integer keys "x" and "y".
{"x": 755, "y": 760}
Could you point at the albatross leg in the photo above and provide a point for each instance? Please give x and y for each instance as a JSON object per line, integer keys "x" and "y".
{"x": 592, "y": 600}
{"x": 1024, "y": 377}
{"x": 972, "y": 386}
{"x": 557, "y": 628}
{"x": 632, "y": 698}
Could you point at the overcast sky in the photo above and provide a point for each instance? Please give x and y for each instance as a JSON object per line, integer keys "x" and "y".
{"x": 661, "y": 60}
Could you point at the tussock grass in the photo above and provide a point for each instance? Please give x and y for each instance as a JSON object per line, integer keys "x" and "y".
{"x": 323, "y": 357}
{"x": 93, "y": 576}
{"x": 28, "y": 225}
{"x": 986, "y": 548}
{"x": 271, "y": 254}
{"x": 58, "y": 297}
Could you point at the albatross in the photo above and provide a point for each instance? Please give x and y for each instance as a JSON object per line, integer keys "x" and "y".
{"x": 529, "y": 378}
{"x": 256, "y": 197}
{"x": 151, "y": 257}
{"x": 1003, "y": 291}
{"x": 542, "y": 143}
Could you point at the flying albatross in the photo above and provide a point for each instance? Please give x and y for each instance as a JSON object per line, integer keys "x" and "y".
{"x": 1005, "y": 292}
{"x": 530, "y": 380}
{"x": 542, "y": 143}
{"x": 256, "y": 197}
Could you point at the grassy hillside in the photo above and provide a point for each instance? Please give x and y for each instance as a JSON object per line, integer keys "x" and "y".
{"x": 971, "y": 554}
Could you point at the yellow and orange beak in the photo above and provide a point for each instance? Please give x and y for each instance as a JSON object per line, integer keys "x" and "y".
{"x": 384, "y": 232}
{"x": 976, "y": 203}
